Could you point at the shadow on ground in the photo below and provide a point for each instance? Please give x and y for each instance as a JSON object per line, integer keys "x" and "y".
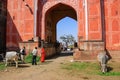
{"x": 61, "y": 54}
{"x": 23, "y": 65}
{"x": 65, "y": 53}
{"x": 109, "y": 69}
{"x": 46, "y": 62}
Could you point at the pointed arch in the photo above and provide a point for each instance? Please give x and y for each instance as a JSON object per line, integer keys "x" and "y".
{"x": 55, "y": 6}
{"x": 60, "y": 6}
{"x": 52, "y": 16}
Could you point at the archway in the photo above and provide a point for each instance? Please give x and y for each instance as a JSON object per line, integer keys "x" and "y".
{"x": 67, "y": 30}
{"x": 52, "y": 16}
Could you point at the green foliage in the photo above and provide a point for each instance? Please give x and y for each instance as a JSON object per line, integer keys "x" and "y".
{"x": 80, "y": 66}
{"x": 71, "y": 46}
{"x": 87, "y": 68}
{"x": 110, "y": 74}
{"x": 2, "y": 66}
{"x": 28, "y": 58}
{"x": 76, "y": 66}
{"x": 68, "y": 39}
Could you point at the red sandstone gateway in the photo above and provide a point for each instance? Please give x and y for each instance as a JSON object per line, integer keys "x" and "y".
{"x": 98, "y": 24}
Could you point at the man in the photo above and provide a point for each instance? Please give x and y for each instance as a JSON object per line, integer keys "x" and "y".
{"x": 22, "y": 54}
{"x": 34, "y": 53}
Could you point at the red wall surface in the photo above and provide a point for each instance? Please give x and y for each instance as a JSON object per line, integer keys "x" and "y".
{"x": 19, "y": 21}
{"x": 112, "y": 24}
{"x": 103, "y": 20}
{"x": 94, "y": 15}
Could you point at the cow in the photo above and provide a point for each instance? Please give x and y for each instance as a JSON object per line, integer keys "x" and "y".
{"x": 11, "y": 56}
{"x": 103, "y": 59}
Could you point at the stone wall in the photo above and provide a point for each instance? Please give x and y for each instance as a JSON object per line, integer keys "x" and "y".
{"x": 28, "y": 45}
{"x": 50, "y": 51}
{"x": 3, "y": 11}
{"x": 112, "y": 24}
{"x": 20, "y": 21}
{"x": 92, "y": 45}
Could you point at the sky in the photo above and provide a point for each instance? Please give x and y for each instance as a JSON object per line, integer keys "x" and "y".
{"x": 67, "y": 26}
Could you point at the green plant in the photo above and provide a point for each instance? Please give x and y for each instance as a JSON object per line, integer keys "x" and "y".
{"x": 28, "y": 58}
{"x": 88, "y": 68}
{"x": 2, "y": 66}
{"x": 110, "y": 74}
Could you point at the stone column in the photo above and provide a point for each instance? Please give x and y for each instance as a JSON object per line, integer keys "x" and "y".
{"x": 35, "y": 16}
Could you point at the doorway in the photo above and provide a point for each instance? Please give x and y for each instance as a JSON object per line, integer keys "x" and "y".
{"x": 52, "y": 16}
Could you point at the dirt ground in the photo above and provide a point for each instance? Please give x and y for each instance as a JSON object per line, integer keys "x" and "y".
{"x": 50, "y": 70}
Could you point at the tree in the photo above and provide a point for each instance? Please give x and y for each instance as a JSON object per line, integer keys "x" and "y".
{"x": 68, "y": 39}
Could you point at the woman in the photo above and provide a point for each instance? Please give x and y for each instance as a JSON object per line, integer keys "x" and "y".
{"x": 42, "y": 54}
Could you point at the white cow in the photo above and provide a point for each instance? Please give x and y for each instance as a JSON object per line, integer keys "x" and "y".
{"x": 103, "y": 58}
{"x": 11, "y": 56}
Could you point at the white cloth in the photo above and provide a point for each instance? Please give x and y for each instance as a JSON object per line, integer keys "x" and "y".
{"x": 34, "y": 52}
{"x": 21, "y": 50}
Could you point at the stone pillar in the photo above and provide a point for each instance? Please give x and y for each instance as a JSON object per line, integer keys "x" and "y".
{"x": 35, "y": 16}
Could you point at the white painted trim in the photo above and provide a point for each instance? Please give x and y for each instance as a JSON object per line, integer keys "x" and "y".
{"x": 35, "y": 16}
{"x": 86, "y": 19}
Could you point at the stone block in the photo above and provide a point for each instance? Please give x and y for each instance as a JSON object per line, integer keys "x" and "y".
{"x": 86, "y": 55}
{"x": 92, "y": 45}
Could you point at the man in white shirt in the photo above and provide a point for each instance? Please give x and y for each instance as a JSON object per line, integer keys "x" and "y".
{"x": 34, "y": 53}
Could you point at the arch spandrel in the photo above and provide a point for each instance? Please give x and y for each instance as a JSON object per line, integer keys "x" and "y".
{"x": 62, "y": 10}
{"x": 49, "y": 4}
